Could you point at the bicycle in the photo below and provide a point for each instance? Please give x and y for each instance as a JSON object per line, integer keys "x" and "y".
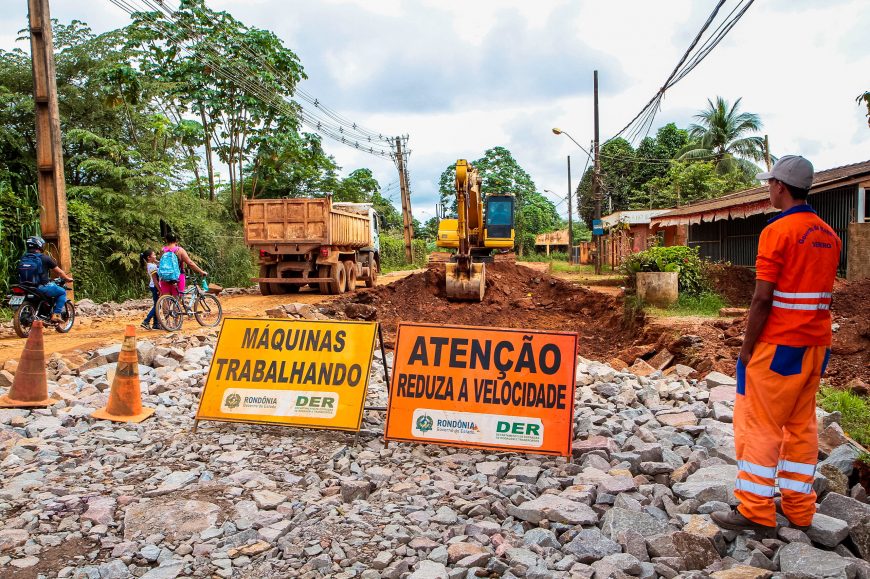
{"x": 192, "y": 302}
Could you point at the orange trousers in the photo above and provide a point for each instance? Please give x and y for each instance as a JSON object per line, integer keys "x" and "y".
{"x": 775, "y": 431}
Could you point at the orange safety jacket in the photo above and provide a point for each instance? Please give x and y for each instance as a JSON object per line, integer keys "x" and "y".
{"x": 799, "y": 253}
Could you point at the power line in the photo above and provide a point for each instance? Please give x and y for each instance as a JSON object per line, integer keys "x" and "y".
{"x": 643, "y": 120}
{"x": 234, "y": 73}
{"x": 364, "y": 134}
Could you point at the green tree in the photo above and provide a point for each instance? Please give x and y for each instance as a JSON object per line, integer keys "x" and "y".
{"x": 192, "y": 58}
{"x": 429, "y": 231}
{"x": 500, "y": 174}
{"x": 687, "y": 182}
{"x": 392, "y": 218}
{"x": 725, "y": 134}
{"x": 667, "y": 144}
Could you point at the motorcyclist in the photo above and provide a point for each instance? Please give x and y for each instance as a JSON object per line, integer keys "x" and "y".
{"x": 34, "y": 269}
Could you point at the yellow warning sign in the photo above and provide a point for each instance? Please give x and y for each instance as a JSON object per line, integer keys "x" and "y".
{"x": 292, "y": 372}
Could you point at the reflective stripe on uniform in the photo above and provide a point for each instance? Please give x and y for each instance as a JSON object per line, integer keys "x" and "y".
{"x": 789, "y": 306}
{"x": 797, "y": 467}
{"x": 795, "y": 485}
{"x": 756, "y": 469}
{"x": 754, "y": 488}
{"x": 801, "y": 295}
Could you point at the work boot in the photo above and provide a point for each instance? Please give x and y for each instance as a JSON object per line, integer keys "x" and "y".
{"x": 56, "y": 319}
{"x": 735, "y": 521}
{"x": 779, "y": 510}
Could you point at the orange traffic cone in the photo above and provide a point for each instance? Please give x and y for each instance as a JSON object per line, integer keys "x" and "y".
{"x": 30, "y": 386}
{"x": 125, "y": 399}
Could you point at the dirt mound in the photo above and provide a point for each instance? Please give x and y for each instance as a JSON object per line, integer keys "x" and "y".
{"x": 734, "y": 283}
{"x": 516, "y": 297}
{"x": 851, "y": 347}
{"x": 850, "y": 350}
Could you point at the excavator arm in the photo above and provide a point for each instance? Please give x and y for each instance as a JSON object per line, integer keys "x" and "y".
{"x": 466, "y": 280}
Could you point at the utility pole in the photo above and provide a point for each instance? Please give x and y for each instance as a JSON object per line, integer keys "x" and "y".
{"x": 408, "y": 228}
{"x": 767, "y": 152}
{"x": 596, "y": 180}
{"x": 570, "y": 218}
{"x": 49, "y": 154}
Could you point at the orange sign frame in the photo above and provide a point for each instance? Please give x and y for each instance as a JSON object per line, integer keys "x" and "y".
{"x": 491, "y": 388}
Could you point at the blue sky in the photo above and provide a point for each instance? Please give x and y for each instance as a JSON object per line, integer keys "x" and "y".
{"x": 461, "y": 77}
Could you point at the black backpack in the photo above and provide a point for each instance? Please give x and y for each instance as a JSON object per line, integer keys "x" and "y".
{"x": 30, "y": 269}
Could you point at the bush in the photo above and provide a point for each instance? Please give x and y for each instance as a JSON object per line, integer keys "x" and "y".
{"x": 854, "y": 408}
{"x": 554, "y": 256}
{"x": 393, "y": 253}
{"x": 681, "y": 259}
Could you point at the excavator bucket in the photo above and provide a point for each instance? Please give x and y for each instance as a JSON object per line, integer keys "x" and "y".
{"x": 466, "y": 285}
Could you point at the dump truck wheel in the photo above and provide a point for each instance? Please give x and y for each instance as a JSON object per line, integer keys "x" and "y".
{"x": 265, "y": 288}
{"x": 373, "y": 273}
{"x": 324, "y": 271}
{"x": 350, "y": 275}
{"x": 278, "y": 289}
{"x": 338, "y": 284}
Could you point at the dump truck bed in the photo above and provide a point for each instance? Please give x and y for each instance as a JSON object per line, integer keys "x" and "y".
{"x": 304, "y": 221}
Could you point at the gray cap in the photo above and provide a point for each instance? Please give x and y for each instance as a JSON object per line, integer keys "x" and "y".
{"x": 791, "y": 169}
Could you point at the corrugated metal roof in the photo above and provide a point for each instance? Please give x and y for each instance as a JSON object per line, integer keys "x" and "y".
{"x": 753, "y": 201}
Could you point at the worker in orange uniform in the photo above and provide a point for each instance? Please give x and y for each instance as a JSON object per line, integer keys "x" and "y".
{"x": 785, "y": 352}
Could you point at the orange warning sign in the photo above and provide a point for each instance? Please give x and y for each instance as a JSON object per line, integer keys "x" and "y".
{"x": 292, "y": 372}
{"x": 492, "y": 388}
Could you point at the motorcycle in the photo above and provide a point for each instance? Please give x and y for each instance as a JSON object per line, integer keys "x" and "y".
{"x": 29, "y": 304}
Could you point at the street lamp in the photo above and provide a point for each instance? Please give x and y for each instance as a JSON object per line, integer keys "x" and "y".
{"x": 595, "y": 188}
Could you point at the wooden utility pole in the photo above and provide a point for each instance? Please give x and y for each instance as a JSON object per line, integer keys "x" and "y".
{"x": 596, "y": 175}
{"x": 49, "y": 154}
{"x": 767, "y": 152}
{"x": 570, "y": 218}
{"x": 406, "y": 201}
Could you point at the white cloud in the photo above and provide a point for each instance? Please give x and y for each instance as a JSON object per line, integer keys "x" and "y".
{"x": 462, "y": 77}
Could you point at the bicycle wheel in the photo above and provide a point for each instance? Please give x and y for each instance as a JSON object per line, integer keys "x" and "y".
{"x": 207, "y": 311}
{"x": 170, "y": 314}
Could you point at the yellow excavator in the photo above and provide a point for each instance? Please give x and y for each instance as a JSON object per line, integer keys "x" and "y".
{"x": 481, "y": 226}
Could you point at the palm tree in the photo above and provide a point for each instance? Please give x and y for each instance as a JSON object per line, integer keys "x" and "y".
{"x": 724, "y": 135}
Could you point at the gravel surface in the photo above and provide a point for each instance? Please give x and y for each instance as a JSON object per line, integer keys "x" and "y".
{"x": 653, "y": 457}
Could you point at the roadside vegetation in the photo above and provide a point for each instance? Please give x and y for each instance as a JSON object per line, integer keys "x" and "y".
{"x": 855, "y": 410}
{"x": 706, "y": 304}
{"x": 393, "y": 253}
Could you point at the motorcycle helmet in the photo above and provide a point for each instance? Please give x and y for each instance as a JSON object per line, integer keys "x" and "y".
{"x": 35, "y": 242}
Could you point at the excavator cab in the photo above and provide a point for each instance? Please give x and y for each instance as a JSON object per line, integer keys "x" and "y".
{"x": 499, "y": 221}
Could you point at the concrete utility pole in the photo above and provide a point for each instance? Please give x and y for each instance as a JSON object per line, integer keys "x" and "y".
{"x": 596, "y": 178}
{"x": 49, "y": 154}
{"x": 408, "y": 228}
{"x": 767, "y": 152}
{"x": 570, "y": 218}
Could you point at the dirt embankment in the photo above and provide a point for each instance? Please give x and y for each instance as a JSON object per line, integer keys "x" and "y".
{"x": 734, "y": 283}
{"x": 850, "y": 350}
{"x": 521, "y": 297}
{"x": 516, "y": 297}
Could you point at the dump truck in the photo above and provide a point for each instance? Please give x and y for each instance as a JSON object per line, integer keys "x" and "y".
{"x": 312, "y": 241}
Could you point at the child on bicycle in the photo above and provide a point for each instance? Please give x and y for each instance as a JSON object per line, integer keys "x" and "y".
{"x": 149, "y": 260}
{"x": 178, "y": 285}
